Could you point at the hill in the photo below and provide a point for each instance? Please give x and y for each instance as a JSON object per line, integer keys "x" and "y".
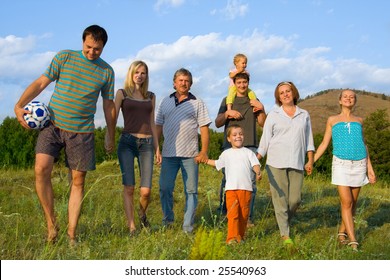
{"x": 325, "y": 103}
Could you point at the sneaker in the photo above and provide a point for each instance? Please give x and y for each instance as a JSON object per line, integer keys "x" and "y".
{"x": 250, "y": 224}
{"x": 232, "y": 242}
{"x": 188, "y": 229}
{"x": 288, "y": 242}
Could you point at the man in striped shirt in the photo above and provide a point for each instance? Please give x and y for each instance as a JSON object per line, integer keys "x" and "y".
{"x": 80, "y": 77}
{"x": 179, "y": 117}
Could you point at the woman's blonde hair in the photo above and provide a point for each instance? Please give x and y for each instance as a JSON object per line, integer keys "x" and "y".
{"x": 345, "y": 90}
{"x": 129, "y": 85}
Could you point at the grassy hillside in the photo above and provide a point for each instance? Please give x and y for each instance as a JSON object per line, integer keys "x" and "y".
{"x": 322, "y": 105}
{"x": 104, "y": 236}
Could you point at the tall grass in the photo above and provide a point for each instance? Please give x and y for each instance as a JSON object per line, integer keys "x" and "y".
{"x": 102, "y": 232}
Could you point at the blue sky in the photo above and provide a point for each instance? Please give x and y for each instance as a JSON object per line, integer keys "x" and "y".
{"x": 317, "y": 44}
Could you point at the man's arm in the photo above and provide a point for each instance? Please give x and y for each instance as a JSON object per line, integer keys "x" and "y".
{"x": 110, "y": 116}
{"x": 220, "y": 120}
{"x": 261, "y": 118}
{"x": 229, "y": 114}
{"x": 260, "y": 111}
{"x": 205, "y": 139}
{"x": 159, "y": 132}
{"x": 32, "y": 91}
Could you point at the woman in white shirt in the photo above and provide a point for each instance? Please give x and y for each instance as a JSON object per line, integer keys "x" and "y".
{"x": 287, "y": 138}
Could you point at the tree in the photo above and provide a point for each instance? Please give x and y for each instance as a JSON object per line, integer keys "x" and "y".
{"x": 377, "y": 136}
{"x": 17, "y": 144}
{"x": 324, "y": 164}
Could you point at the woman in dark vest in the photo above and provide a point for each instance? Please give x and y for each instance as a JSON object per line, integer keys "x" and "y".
{"x": 138, "y": 140}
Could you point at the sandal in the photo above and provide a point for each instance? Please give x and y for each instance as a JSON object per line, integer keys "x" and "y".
{"x": 342, "y": 238}
{"x": 144, "y": 221}
{"x": 354, "y": 245}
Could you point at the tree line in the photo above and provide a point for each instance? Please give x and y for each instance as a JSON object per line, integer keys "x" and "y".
{"x": 18, "y": 144}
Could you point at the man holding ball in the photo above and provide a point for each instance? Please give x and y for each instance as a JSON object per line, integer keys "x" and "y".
{"x": 80, "y": 77}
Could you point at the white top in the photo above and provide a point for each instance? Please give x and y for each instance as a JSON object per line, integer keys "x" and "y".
{"x": 286, "y": 139}
{"x": 238, "y": 164}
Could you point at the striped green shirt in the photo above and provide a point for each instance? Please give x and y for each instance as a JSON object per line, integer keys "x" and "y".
{"x": 78, "y": 84}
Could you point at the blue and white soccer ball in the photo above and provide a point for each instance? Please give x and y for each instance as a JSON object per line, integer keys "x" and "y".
{"x": 39, "y": 115}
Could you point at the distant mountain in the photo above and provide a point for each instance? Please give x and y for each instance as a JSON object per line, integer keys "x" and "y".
{"x": 325, "y": 103}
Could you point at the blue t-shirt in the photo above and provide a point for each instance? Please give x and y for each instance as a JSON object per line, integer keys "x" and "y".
{"x": 348, "y": 141}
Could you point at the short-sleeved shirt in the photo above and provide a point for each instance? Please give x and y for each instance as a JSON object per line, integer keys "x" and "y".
{"x": 238, "y": 164}
{"x": 286, "y": 139}
{"x": 248, "y": 123}
{"x": 79, "y": 82}
{"x": 180, "y": 123}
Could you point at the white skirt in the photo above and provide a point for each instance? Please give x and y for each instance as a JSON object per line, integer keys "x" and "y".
{"x": 352, "y": 173}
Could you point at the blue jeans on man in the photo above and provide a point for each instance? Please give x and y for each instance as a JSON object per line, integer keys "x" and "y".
{"x": 189, "y": 169}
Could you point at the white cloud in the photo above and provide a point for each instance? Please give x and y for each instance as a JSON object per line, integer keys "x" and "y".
{"x": 234, "y": 9}
{"x": 160, "y": 4}
{"x": 12, "y": 45}
{"x": 271, "y": 59}
{"x": 18, "y": 58}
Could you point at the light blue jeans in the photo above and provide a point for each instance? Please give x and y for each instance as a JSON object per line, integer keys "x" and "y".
{"x": 189, "y": 169}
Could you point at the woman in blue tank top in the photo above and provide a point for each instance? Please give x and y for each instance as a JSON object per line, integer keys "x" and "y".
{"x": 351, "y": 162}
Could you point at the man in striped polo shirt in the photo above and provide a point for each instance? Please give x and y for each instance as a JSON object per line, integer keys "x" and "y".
{"x": 179, "y": 117}
{"x": 80, "y": 77}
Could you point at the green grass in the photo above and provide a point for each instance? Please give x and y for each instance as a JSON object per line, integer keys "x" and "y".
{"x": 103, "y": 235}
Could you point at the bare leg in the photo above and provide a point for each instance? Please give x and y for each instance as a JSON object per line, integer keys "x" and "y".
{"x": 143, "y": 205}
{"x": 128, "y": 197}
{"x": 355, "y": 195}
{"x": 75, "y": 201}
{"x": 348, "y": 199}
{"x": 43, "y": 168}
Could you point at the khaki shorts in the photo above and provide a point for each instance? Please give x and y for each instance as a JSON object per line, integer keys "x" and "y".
{"x": 79, "y": 147}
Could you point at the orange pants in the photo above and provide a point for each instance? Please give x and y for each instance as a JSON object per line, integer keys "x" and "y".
{"x": 238, "y": 205}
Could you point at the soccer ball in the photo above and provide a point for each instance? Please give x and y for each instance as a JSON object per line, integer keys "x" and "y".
{"x": 39, "y": 115}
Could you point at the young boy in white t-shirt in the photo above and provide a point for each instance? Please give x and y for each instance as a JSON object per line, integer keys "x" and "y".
{"x": 238, "y": 162}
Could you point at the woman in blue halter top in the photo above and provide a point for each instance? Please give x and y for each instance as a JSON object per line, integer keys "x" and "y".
{"x": 351, "y": 165}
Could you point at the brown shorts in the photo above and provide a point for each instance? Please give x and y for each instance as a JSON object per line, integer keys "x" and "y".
{"x": 79, "y": 147}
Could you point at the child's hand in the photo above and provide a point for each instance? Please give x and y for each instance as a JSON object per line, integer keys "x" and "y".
{"x": 257, "y": 105}
{"x": 258, "y": 176}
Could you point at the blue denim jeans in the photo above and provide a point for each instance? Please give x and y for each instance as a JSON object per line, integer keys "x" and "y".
{"x": 129, "y": 148}
{"x": 222, "y": 197}
{"x": 189, "y": 169}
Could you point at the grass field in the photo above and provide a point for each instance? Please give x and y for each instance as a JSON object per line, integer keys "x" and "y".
{"x": 102, "y": 232}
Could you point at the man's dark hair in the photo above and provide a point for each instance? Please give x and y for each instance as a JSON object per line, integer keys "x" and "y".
{"x": 241, "y": 76}
{"x": 98, "y": 33}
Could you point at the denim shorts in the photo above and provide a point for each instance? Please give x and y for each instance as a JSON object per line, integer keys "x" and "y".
{"x": 79, "y": 147}
{"x": 129, "y": 148}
